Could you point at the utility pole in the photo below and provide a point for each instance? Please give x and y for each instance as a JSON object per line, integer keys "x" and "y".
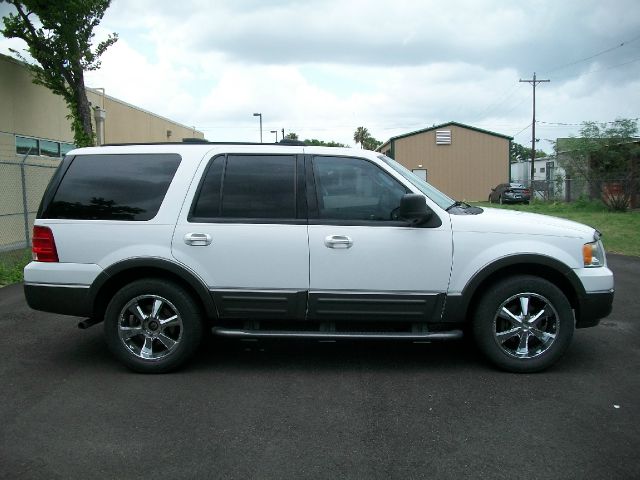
{"x": 534, "y": 81}
{"x": 283, "y": 133}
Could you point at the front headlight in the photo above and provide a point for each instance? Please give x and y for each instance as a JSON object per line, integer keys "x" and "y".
{"x": 593, "y": 254}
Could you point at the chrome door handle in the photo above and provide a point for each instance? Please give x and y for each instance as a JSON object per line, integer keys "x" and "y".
{"x": 197, "y": 239}
{"x": 338, "y": 241}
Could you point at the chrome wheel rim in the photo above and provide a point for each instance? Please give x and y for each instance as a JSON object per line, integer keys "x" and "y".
{"x": 526, "y": 325}
{"x": 150, "y": 327}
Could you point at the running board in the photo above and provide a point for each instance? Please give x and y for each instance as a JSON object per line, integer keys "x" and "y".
{"x": 422, "y": 336}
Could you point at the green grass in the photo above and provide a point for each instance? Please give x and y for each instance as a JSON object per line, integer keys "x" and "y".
{"x": 621, "y": 231}
{"x": 11, "y": 265}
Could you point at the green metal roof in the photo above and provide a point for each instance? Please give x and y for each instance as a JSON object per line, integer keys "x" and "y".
{"x": 461, "y": 125}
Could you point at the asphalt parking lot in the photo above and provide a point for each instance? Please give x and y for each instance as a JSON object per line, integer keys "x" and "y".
{"x": 318, "y": 410}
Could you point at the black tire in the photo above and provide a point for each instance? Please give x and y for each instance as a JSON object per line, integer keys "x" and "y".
{"x": 530, "y": 345}
{"x": 164, "y": 333}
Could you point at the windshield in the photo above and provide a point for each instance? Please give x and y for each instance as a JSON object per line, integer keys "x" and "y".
{"x": 430, "y": 191}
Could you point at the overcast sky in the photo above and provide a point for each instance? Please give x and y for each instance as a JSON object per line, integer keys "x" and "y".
{"x": 323, "y": 68}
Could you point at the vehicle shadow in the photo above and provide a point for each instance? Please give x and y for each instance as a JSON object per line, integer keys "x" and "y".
{"x": 305, "y": 355}
{"x": 341, "y": 355}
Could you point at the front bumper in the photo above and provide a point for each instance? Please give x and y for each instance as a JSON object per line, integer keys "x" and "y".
{"x": 592, "y": 307}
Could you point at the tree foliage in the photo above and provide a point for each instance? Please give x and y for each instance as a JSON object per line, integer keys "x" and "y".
{"x": 321, "y": 143}
{"x": 364, "y": 138}
{"x": 607, "y": 156}
{"x": 291, "y": 136}
{"x": 520, "y": 153}
{"x": 59, "y": 37}
{"x": 360, "y": 135}
{"x": 371, "y": 143}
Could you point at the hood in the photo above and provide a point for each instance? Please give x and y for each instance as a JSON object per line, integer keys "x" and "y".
{"x": 497, "y": 220}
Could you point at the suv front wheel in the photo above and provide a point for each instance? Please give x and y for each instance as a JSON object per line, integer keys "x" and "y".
{"x": 523, "y": 324}
{"x": 153, "y": 326}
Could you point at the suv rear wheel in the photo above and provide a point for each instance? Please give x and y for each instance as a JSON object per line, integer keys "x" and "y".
{"x": 523, "y": 324}
{"x": 153, "y": 326}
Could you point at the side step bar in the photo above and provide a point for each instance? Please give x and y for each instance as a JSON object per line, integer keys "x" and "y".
{"x": 422, "y": 336}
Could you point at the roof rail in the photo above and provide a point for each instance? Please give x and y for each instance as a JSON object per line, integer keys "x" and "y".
{"x": 198, "y": 141}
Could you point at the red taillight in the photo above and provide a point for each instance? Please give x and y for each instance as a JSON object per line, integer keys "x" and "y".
{"x": 43, "y": 245}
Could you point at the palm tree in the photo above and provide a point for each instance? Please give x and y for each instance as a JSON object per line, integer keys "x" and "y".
{"x": 360, "y": 136}
{"x": 371, "y": 143}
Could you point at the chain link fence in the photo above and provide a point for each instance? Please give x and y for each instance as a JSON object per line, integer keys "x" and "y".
{"x": 566, "y": 189}
{"x": 562, "y": 189}
{"x": 22, "y": 184}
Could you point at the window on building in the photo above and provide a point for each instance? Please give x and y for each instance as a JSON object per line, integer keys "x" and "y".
{"x": 49, "y": 148}
{"x": 41, "y": 147}
{"x": 27, "y": 146}
{"x": 541, "y": 169}
{"x": 66, "y": 148}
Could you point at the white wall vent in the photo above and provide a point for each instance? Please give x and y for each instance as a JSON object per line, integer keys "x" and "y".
{"x": 443, "y": 137}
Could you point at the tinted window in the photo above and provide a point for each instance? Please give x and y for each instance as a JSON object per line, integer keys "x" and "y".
{"x": 114, "y": 187}
{"x": 355, "y": 189}
{"x": 259, "y": 186}
{"x": 208, "y": 203}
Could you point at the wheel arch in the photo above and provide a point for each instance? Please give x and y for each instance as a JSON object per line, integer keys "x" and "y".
{"x": 541, "y": 266}
{"x": 127, "y": 271}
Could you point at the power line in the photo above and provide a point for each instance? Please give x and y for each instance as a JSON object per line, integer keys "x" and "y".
{"x": 522, "y": 130}
{"x": 506, "y": 97}
{"x": 610, "y": 67}
{"x": 579, "y": 124}
{"x": 611, "y": 49}
{"x": 497, "y": 102}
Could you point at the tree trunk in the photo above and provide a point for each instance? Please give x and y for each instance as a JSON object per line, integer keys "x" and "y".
{"x": 83, "y": 129}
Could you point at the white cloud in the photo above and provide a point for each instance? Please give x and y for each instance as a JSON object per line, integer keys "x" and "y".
{"x": 323, "y": 68}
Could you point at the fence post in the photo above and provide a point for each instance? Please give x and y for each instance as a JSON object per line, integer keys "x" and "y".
{"x": 25, "y": 206}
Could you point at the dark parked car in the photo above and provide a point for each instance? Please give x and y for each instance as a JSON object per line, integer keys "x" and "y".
{"x": 510, "y": 193}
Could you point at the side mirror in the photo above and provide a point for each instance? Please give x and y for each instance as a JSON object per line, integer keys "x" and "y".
{"x": 414, "y": 207}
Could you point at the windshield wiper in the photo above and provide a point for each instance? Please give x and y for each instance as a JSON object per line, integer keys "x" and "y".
{"x": 459, "y": 205}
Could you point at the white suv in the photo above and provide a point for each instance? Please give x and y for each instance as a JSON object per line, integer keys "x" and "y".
{"x": 162, "y": 241}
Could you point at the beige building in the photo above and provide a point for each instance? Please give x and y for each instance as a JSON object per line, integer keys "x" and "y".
{"x": 463, "y": 161}
{"x": 35, "y": 134}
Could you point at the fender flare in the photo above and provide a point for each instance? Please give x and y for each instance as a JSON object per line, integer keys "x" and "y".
{"x": 456, "y": 306}
{"x": 189, "y": 277}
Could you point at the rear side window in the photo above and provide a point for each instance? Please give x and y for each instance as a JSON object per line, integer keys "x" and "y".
{"x": 113, "y": 187}
{"x": 248, "y": 187}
